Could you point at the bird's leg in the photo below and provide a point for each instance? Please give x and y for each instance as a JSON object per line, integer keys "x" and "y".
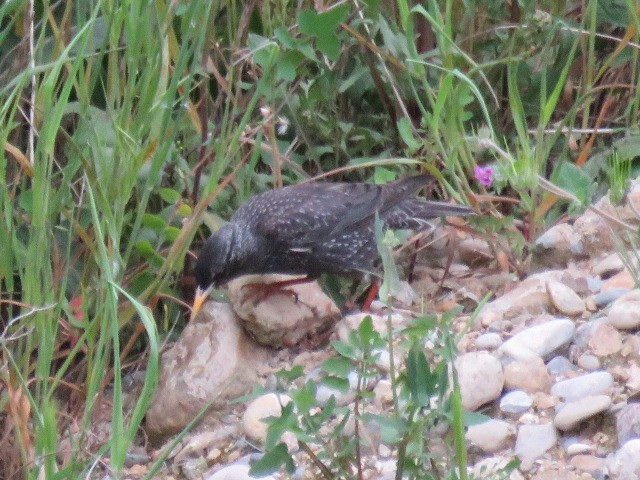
{"x": 374, "y": 289}
{"x": 261, "y": 291}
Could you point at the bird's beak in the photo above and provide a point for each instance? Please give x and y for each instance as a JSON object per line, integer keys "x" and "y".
{"x": 198, "y": 301}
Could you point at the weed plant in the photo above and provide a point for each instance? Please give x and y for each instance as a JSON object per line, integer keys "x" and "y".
{"x": 126, "y": 125}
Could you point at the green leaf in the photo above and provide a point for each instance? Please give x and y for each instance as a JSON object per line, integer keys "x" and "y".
{"x": 169, "y": 195}
{"x": 344, "y": 349}
{"x": 171, "y": 232}
{"x": 570, "y": 177}
{"x": 419, "y": 376}
{"x": 153, "y": 222}
{"x": 263, "y": 50}
{"x": 184, "y": 210}
{"x": 305, "y": 398}
{"x": 405, "y": 129}
{"x": 148, "y": 252}
{"x": 278, "y": 425}
{"x": 323, "y": 27}
{"x": 272, "y": 460}
{"x": 340, "y": 384}
{"x": 366, "y": 331}
{"x": 340, "y": 367}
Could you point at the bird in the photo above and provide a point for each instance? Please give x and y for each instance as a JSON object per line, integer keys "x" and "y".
{"x": 313, "y": 228}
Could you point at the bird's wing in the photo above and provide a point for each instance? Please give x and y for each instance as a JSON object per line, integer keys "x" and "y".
{"x": 303, "y": 215}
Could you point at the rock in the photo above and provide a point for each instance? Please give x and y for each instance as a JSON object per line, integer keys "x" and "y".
{"x": 490, "y": 436}
{"x": 578, "y": 449}
{"x": 480, "y": 377}
{"x": 582, "y": 386}
{"x": 560, "y": 366}
{"x": 475, "y": 252}
{"x": 213, "y": 360}
{"x": 235, "y": 472}
{"x": 608, "y": 265}
{"x": 594, "y": 231}
{"x": 532, "y": 442}
{"x": 516, "y": 402}
{"x": 588, "y": 463}
{"x": 558, "y": 245}
{"x": 488, "y": 341}
{"x": 625, "y": 464}
{"x": 193, "y": 468}
{"x": 570, "y": 416}
{"x": 559, "y": 472}
{"x": 383, "y": 394}
{"x": 621, "y": 280}
{"x": 530, "y": 375}
{"x": 605, "y": 340}
{"x": 530, "y": 297}
{"x": 285, "y": 317}
{"x": 196, "y": 446}
{"x": 625, "y": 311}
{"x": 589, "y": 362}
{"x": 564, "y": 299}
{"x": 605, "y": 297}
{"x": 539, "y": 340}
{"x": 628, "y": 423}
{"x": 268, "y": 405}
{"x": 494, "y": 467}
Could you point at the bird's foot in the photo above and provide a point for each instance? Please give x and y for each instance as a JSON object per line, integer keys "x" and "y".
{"x": 258, "y": 292}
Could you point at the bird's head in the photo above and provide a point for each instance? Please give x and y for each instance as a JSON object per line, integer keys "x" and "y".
{"x": 213, "y": 265}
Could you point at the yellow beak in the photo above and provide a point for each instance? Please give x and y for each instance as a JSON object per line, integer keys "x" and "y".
{"x": 198, "y": 301}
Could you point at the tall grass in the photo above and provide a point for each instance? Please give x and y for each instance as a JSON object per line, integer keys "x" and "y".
{"x": 123, "y": 121}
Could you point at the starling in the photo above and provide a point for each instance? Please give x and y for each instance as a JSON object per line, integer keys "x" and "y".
{"x": 311, "y": 229}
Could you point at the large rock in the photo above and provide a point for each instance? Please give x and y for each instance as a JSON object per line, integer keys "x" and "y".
{"x": 213, "y": 361}
{"x": 282, "y": 317}
{"x": 480, "y": 377}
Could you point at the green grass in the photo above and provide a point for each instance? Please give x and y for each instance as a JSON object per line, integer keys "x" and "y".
{"x": 127, "y": 125}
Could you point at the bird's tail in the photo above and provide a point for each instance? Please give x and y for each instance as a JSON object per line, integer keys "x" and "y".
{"x": 415, "y": 213}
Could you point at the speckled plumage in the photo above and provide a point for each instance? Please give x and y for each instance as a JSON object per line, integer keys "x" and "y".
{"x": 314, "y": 228}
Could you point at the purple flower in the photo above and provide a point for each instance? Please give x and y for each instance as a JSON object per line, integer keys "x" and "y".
{"x": 483, "y": 174}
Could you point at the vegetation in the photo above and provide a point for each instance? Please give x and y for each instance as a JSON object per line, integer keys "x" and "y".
{"x": 125, "y": 126}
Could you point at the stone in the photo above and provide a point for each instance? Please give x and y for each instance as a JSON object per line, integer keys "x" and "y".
{"x": 475, "y": 251}
{"x": 608, "y": 265}
{"x": 480, "y": 377}
{"x": 558, "y": 245}
{"x": 532, "y": 442}
{"x": 488, "y": 341}
{"x": 213, "y": 361}
{"x": 540, "y": 340}
{"x": 570, "y": 416}
{"x": 490, "y": 436}
{"x": 516, "y": 402}
{"x": 605, "y": 341}
{"x": 564, "y": 299}
{"x": 284, "y": 317}
{"x": 530, "y": 375}
{"x": 588, "y": 463}
{"x": 625, "y": 311}
{"x": 267, "y": 405}
{"x": 582, "y": 386}
{"x": 560, "y": 365}
{"x": 235, "y": 472}
{"x": 621, "y": 280}
{"x": 589, "y": 362}
{"x": 625, "y": 464}
{"x": 606, "y": 297}
{"x": 529, "y": 297}
{"x": 628, "y": 423}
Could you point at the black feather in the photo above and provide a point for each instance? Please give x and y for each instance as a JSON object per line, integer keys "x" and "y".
{"x": 314, "y": 228}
